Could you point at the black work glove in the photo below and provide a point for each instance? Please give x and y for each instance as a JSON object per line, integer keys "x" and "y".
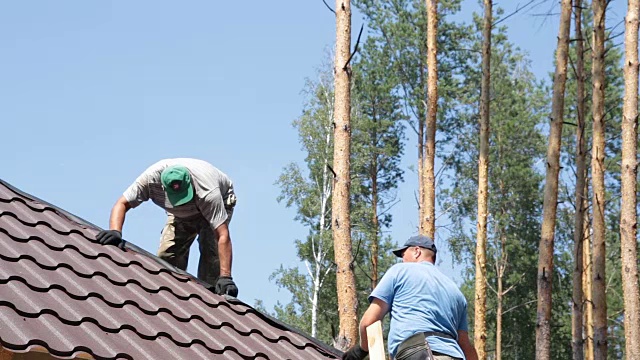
{"x": 355, "y": 353}
{"x": 110, "y": 237}
{"x": 226, "y": 286}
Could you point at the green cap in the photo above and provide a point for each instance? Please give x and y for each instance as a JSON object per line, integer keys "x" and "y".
{"x": 176, "y": 181}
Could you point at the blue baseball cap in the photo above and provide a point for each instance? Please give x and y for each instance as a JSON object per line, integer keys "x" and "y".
{"x": 418, "y": 240}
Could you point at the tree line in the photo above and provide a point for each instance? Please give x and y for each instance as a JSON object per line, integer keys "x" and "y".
{"x": 537, "y": 177}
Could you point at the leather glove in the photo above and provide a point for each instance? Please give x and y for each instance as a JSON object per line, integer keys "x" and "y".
{"x": 225, "y": 285}
{"x": 110, "y": 237}
{"x": 355, "y": 353}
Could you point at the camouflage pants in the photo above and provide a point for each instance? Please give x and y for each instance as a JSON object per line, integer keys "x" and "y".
{"x": 178, "y": 236}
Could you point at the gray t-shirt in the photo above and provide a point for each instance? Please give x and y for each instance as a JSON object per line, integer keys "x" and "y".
{"x": 212, "y": 189}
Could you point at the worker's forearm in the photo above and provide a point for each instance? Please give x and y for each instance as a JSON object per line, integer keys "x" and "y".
{"x": 225, "y": 254}
{"x": 376, "y": 311}
{"x": 364, "y": 340}
{"x": 116, "y": 220}
{"x": 467, "y": 346}
{"x": 470, "y": 353}
{"x": 368, "y": 318}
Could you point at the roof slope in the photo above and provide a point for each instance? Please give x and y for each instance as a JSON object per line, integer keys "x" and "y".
{"x": 61, "y": 290}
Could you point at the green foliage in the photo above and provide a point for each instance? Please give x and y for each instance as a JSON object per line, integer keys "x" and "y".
{"x": 402, "y": 26}
{"x": 376, "y": 149}
{"x": 614, "y": 86}
{"x": 309, "y": 191}
{"x": 388, "y": 91}
{"x": 378, "y": 131}
{"x": 519, "y": 107}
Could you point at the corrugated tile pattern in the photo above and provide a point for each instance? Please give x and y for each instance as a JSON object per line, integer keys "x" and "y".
{"x": 61, "y": 290}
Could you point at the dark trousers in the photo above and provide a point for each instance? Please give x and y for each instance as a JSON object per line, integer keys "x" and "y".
{"x": 416, "y": 347}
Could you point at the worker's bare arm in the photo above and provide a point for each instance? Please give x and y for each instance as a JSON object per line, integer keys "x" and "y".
{"x": 225, "y": 251}
{"x": 120, "y": 208}
{"x": 376, "y": 311}
{"x": 466, "y": 345}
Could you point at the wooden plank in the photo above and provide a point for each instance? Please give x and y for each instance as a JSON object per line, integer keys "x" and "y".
{"x": 376, "y": 341}
{"x": 36, "y": 353}
{"x": 5, "y": 354}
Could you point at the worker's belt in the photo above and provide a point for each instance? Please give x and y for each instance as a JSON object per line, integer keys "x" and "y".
{"x": 439, "y": 334}
{"x": 417, "y": 344}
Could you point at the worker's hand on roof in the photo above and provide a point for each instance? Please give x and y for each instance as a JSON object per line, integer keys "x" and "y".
{"x": 355, "y": 353}
{"x": 226, "y": 286}
{"x": 110, "y": 237}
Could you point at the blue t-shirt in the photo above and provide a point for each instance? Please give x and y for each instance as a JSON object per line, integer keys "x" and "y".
{"x": 420, "y": 299}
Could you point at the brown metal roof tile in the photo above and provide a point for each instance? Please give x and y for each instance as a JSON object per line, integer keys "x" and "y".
{"x": 61, "y": 290}
{"x": 21, "y": 231}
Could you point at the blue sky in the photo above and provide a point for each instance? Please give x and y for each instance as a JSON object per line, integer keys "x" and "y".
{"x": 93, "y": 92}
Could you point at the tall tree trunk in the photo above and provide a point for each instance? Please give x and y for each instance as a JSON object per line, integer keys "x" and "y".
{"x": 597, "y": 181}
{"x": 545, "y": 262}
{"x": 587, "y": 277}
{"x": 501, "y": 266}
{"x": 422, "y": 117}
{"x": 340, "y": 219}
{"x": 576, "y": 324}
{"x": 480, "y": 323}
{"x": 375, "y": 223}
{"x": 319, "y": 254}
{"x": 628, "y": 215}
{"x": 428, "y": 221}
{"x": 421, "y": 146}
{"x": 500, "y": 299}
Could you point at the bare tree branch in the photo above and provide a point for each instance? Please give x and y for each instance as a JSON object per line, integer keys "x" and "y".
{"x": 517, "y": 10}
{"x": 329, "y": 7}
{"x": 356, "y": 255}
{"x": 517, "y": 306}
{"x": 389, "y": 207}
{"x": 325, "y": 275}
{"x": 445, "y": 211}
{"x": 355, "y": 50}
{"x": 365, "y": 272}
{"x": 514, "y": 285}
{"x": 332, "y": 171}
{"x": 491, "y": 287}
{"x": 415, "y": 195}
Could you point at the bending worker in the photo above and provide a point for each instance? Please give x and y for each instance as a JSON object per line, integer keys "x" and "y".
{"x": 199, "y": 201}
{"x": 428, "y": 311}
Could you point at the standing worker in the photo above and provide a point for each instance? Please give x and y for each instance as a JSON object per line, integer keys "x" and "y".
{"x": 199, "y": 201}
{"x": 428, "y": 311}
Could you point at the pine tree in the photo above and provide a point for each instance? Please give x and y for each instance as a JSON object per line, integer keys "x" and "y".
{"x": 628, "y": 216}
{"x": 402, "y": 26}
{"x": 580, "y": 188}
{"x": 378, "y": 147}
{"x": 309, "y": 191}
{"x": 598, "y": 183}
{"x": 545, "y": 263}
{"x": 519, "y": 107}
{"x": 340, "y": 209}
{"x": 480, "y": 331}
